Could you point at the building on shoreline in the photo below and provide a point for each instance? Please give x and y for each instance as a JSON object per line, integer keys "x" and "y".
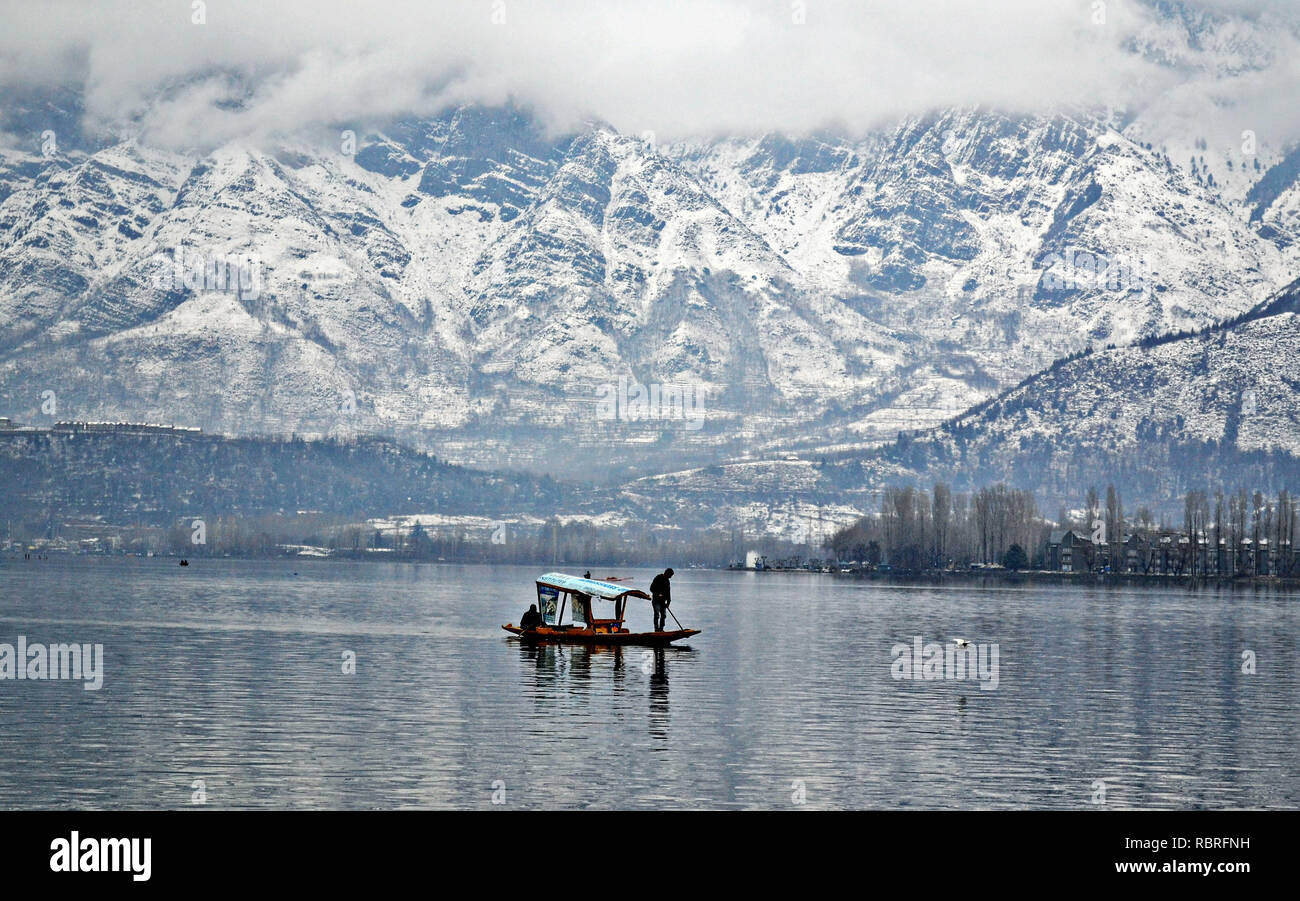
{"x": 1169, "y": 553}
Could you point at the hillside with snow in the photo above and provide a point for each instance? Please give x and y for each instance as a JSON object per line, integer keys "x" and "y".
{"x": 1206, "y": 410}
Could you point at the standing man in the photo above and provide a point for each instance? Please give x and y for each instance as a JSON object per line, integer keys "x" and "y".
{"x": 661, "y": 597}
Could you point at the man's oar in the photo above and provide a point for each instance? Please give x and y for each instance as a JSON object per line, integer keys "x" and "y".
{"x": 675, "y": 619}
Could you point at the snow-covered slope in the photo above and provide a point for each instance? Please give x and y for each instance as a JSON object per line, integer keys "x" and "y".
{"x": 1018, "y": 240}
{"x": 1210, "y": 409}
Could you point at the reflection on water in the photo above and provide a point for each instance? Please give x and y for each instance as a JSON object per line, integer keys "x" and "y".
{"x": 231, "y": 675}
{"x": 659, "y": 694}
{"x": 554, "y": 672}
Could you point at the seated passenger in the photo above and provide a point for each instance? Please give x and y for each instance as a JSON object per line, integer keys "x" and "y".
{"x": 531, "y": 619}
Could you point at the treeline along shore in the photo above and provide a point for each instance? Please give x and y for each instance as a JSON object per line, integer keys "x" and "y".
{"x": 1227, "y": 535}
{"x": 155, "y": 490}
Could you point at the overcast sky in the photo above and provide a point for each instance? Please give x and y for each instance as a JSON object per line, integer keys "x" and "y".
{"x": 257, "y": 68}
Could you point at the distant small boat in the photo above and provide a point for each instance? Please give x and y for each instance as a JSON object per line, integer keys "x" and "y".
{"x": 555, "y": 591}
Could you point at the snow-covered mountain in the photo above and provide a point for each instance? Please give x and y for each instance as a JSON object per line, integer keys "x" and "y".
{"x": 476, "y": 285}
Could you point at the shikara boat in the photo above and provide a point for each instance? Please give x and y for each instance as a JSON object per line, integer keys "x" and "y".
{"x": 558, "y": 593}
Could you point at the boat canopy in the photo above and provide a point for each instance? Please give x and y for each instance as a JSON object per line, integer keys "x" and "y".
{"x": 610, "y": 591}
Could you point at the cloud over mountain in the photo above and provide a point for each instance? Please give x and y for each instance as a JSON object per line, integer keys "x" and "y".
{"x": 257, "y": 70}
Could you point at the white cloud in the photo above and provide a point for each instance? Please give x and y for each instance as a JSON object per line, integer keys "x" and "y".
{"x": 672, "y": 66}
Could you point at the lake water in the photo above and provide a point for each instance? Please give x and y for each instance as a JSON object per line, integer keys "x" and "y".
{"x": 227, "y": 678}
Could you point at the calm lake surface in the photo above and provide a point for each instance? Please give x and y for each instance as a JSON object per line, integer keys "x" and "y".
{"x": 231, "y": 672}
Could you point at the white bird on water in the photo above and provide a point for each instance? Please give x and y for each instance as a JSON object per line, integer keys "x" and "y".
{"x": 961, "y": 642}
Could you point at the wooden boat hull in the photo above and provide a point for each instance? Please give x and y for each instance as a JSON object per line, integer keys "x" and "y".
{"x": 587, "y": 636}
